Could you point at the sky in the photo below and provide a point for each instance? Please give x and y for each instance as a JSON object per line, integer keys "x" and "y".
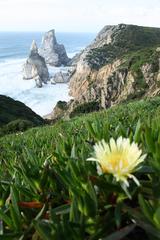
{"x": 76, "y": 15}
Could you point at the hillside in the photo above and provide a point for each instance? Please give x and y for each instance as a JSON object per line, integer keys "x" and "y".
{"x": 15, "y": 115}
{"x": 121, "y": 39}
{"x": 49, "y": 191}
{"x": 122, "y": 63}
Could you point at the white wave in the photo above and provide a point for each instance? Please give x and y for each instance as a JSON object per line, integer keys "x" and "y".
{"x": 78, "y": 50}
{"x": 40, "y": 100}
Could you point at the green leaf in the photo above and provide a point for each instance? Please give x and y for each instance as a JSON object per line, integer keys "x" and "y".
{"x": 6, "y": 219}
{"x": 156, "y": 218}
{"x": 89, "y": 206}
{"x": 117, "y": 214}
{"x": 90, "y": 129}
{"x": 149, "y": 140}
{"x": 74, "y": 213}
{"x": 146, "y": 208}
{"x": 10, "y": 236}
{"x": 15, "y": 200}
{"x": 44, "y": 230}
{"x": 15, "y": 218}
{"x": 63, "y": 209}
{"x": 137, "y": 134}
{"x": 148, "y": 228}
{"x": 73, "y": 151}
{"x": 43, "y": 210}
{"x": 118, "y": 235}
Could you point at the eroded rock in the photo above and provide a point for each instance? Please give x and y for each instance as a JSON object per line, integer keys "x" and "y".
{"x": 53, "y": 52}
{"x": 35, "y": 67}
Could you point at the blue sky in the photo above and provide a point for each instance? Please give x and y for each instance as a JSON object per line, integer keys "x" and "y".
{"x": 76, "y": 15}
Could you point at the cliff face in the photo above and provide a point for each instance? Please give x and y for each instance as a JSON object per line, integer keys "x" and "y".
{"x": 122, "y": 63}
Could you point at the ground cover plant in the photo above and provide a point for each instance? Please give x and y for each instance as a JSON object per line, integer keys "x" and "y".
{"x": 48, "y": 189}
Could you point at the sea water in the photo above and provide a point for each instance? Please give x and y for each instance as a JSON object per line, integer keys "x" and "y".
{"x": 14, "y": 49}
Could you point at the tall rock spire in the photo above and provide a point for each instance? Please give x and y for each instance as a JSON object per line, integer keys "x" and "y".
{"x": 35, "y": 67}
{"x": 54, "y": 53}
{"x": 33, "y": 48}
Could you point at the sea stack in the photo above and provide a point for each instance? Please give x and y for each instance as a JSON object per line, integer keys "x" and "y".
{"x": 53, "y": 53}
{"x": 35, "y": 67}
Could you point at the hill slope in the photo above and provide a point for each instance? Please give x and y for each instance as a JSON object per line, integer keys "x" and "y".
{"x": 49, "y": 191}
{"x": 14, "y": 114}
{"x": 122, "y": 63}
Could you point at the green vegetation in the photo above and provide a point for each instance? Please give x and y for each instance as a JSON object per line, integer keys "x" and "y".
{"x": 99, "y": 57}
{"x": 85, "y": 108}
{"x": 49, "y": 191}
{"x": 15, "y": 116}
{"x": 11, "y": 110}
{"x": 127, "y": 39}
{"x": 134, "y": 37}
{"x": 18, "y": 125}
{"x": 62, "y": 105}
{"x": 136, "y": 59}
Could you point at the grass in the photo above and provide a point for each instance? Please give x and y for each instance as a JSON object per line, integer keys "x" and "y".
{"x": 48, "y": 189}
{"x": 128, "y": 114}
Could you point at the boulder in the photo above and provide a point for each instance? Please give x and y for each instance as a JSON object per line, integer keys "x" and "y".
{"x": 54, "y": 53}
{"x": 35, "y": 67}
{"x": 60, "y": 77}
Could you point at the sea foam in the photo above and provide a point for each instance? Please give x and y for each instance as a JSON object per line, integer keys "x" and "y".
{"x": 40, "y": 100}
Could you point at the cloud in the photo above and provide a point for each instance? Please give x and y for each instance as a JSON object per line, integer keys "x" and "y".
{"x": 72, "y": 15}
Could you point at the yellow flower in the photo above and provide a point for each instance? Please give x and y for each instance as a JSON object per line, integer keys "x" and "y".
{"x": 119, "y": 158}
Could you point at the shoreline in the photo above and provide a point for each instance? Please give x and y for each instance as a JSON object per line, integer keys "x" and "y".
{"x": 41, "y": 100}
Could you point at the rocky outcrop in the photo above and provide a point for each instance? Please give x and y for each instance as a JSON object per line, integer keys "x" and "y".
{"x": 62, "y": 76}
{"x": 35, "y": 67}
{"x": 59, "y": 111}
{"x": 106, "y": 85}
{"x": 121, "y": 63}
{"x": 53, "y": 53}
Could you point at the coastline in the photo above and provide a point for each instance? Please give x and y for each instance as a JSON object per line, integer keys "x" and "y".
{"x": 42, "y": 101}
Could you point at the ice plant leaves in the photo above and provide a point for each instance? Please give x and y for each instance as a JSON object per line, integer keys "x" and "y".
{"x": 57, "y": 194}
{"x": 118, "y": 235}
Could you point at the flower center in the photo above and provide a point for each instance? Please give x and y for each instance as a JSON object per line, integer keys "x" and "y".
{"x": 116, "y": 161}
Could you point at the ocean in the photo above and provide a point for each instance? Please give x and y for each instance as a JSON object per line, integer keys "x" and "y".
{"x": 14, "y": 49}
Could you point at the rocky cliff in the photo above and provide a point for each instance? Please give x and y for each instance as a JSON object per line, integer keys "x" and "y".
{"x": 53, "y": 53}
{"x": 122, "y": 63}
{"x": 35, "y": 67}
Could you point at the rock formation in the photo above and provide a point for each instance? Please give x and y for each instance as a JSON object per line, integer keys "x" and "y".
{"x": 35, "y": 67}
{"x": 58, "y": 112}
{"x": 54, "y": 53}
{"x": 122, "y": 63}
{"x": 62, "y": 76}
